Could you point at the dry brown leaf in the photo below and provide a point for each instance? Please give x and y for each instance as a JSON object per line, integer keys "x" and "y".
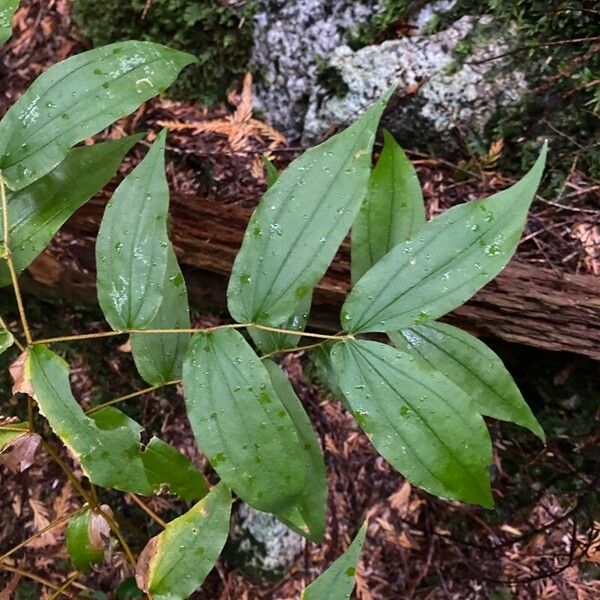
{"x": 10, "y": 587}
{"x": 143, "y": 563}
{"x": 20, "y": 453}
{"x": 22, "y": 383}
{"x": 239, "y": 128}
{"x": 589, "y": 236}
{"x": 99, "y": 529}
{"x": 399, "y": 500}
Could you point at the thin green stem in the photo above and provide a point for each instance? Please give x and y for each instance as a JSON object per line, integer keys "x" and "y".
{"x": 104, "y": 334}
{"x": 9, "y": 261}
{"x": 296, "y": 348}
{"x": 131, "y": 395}
{"x": 320, "y": 336}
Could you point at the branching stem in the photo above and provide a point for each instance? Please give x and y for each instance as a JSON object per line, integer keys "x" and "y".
{"x": 104, "y": 334}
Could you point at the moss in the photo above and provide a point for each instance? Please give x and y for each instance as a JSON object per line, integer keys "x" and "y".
{"x": 218, "y": 35}
{"x": 563, "y": 97}
{"x": 380, "y": 26}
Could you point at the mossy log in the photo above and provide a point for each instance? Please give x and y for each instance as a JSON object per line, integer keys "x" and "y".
{"x": 538, "y": 307}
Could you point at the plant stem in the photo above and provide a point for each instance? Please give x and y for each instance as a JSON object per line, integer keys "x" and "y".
{"x": 39, "y": 533}
{"x": 148, "y": 510}
{"x": 10, "y": 263}
{"x": 103, "y": 334}
{"x": 296, "y": 349}
{"x": 65, "y": 585}
{"x": 131, "y": 395}
{"x": 320, "y": 336}
{"x": 93, "y": 505}
{"x": 4, "y": 326}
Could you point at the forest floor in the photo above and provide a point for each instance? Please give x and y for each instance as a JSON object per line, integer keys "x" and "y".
{"x": 543, "y": 538}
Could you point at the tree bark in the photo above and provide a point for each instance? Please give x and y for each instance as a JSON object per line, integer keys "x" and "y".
{"x": 526, "y": 304}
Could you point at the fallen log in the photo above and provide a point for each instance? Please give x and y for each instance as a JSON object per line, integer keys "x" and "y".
{"x": 526, "y": 304}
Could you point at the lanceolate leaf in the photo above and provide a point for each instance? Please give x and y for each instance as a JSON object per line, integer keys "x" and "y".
{"x": 36, "y": 212}
{"x": 420, "y": 422}
{"x": 107, "y": 443}
{"x": 7, "y": 9}
{"x": 308, "y": 515}
{"x": 159, "y": 357}
{"x": 83, "y": 551}
{"x": 472, "y": 366}
{"x": 78, "y": 97}
{"x": 337, "y": 582}
{"x": 299, "y": 224}
{"x": 175, "y": 563}
{"x": 450, "y": 258}
{"x": 393, "y": 210}
{"x": 269, "y": 341}
{"x": 240, "y": 423}
{"x": 133, "y": 246}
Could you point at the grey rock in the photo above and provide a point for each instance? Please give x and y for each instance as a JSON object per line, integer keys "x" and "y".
{"x": 438, "y": 98}
{"x": 262, "y": 547}
{"x": 290, "y": 38}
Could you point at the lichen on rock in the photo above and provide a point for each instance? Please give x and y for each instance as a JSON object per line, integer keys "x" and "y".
{"x": 291, "y": 37}
{"x": 439, "y": 93}
{"x": 261, "y": 545}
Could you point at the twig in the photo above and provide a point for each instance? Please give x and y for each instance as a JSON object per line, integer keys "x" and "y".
{"x": 148, "y": 510}
{"x": 33, "y": 577}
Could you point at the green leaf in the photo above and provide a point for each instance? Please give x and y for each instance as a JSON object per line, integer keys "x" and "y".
{"x": 10, "y": 432}
{"x": 270, "y": 341}
{"x": 37, "y": 212}
{"x": 165, "y": 466}
{"x": 418, "y": 420}
{"x": 337, "y": 582}
{"x": 7, "y": 10}
{"x": 324, "y": 373}
{"x": 76, "y": 99}
{"x": 6, "y": 338}
{"x": 393, "y": 210}
{"x": 159, "y": 357}
{"x": 473, "y": 367}
{"x": 271, "y": 171}
{"x": 450, "y": 259}
{"x": 107, "y": 443}
{"x": 82, "y": 550}
{"x": 132, "y": 246}
{"x": 308, "y": 515}
{"x": 299, "y": 224}
{"x": 240, "y": 423}
{"x": 175, "y": 563}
